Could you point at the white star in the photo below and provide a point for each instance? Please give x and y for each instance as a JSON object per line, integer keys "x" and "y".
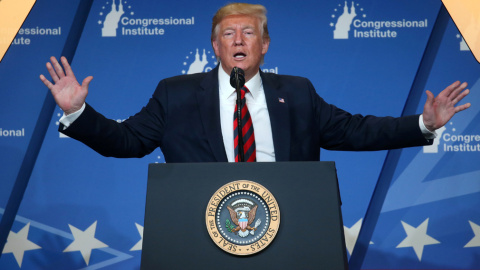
{"x": 417, "y": 238}
{"x": 351, "y": 235}
{"x": 17, "y": 243}
{"x": 84, "y": 241}
{"x": 138, "y": 246}
{"x": 475, "y": 242}
{"x": 331, "y": 24}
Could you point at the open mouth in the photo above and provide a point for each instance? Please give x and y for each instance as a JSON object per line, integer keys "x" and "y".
{"x": 239, "y": 55}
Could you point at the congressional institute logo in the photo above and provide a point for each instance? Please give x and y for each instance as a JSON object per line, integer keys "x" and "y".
{"x": 242, "y": 217}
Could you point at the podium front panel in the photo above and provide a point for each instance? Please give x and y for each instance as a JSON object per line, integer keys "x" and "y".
{"x": 310, "y": 235}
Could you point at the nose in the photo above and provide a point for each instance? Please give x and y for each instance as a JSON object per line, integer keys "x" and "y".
{"x": 238, "y": 37}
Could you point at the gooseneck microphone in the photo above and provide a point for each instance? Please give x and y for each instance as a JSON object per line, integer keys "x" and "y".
{"x": 237, "y": 78}
{"x": 237, "y": 81}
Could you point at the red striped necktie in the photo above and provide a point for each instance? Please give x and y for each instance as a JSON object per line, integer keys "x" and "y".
{"x": 247, "y": 131}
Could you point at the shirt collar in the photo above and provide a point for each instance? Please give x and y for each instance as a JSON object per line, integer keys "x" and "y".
{"x": 254, "y": 85}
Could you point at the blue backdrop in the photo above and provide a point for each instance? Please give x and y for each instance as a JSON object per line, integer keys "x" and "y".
{"x": 84, "y": 210}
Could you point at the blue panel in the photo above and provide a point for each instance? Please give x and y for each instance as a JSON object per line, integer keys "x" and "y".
{"x": 439, "y": 183}
{"x": 22, "y": 92}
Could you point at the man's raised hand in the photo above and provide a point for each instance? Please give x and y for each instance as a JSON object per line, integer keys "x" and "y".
{"x": 68, "y": 93}
{"x": 440, "y": 109}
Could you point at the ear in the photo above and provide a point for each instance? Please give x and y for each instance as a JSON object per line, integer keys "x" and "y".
{"x": 215, "y": 47}
{"x": 266, "y": 43}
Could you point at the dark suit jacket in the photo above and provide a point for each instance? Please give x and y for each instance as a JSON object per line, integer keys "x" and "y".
{"x": 183, "y": 119}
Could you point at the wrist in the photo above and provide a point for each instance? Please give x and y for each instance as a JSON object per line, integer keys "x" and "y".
{"x": 428, "y": 132}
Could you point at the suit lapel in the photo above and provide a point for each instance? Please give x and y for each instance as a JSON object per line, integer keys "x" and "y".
{"x": 209, "y": 106}
{"x": 277, "y": 104}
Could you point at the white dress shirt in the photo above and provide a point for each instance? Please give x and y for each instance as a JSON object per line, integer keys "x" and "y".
{"x": 257, "y": 107}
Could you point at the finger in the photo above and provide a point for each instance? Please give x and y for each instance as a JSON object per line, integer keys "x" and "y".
{"x": 52, "y": 72}
{"x": 462, "y": 107}
{"x": 86, "y": 82}
{"x": 430, "y": 98}
{"x": 58, "y": 68}
{"x": 447, "y": 91}
{"x": 46, "y": 82}
{"x": 460, "y": 96}
{"x": 458, "y": 90}
{"x": 67, "y": 67}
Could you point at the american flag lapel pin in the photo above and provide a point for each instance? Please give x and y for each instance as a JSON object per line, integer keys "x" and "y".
{"x": 281, "y": 100}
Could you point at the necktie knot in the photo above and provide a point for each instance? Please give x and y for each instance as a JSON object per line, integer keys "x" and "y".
{"x": 244, "y": 90}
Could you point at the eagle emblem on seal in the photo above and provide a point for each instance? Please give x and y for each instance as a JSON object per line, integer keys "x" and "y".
{"x": 242, "y": 213}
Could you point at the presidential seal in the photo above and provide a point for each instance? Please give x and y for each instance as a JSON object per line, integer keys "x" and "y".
{"x": 242, "y": 217}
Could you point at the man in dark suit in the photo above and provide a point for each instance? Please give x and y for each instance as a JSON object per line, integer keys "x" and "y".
{"x": 190, "y": 117}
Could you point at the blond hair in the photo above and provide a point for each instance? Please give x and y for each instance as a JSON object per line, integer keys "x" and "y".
{"x": 257, "y": 11}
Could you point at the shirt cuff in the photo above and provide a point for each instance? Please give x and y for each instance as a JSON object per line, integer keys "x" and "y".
{"x": 67, "y": 120}
{"x": 426, "y": 133}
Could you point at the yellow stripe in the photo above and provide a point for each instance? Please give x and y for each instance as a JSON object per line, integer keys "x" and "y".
{"x": 12, "y": 15}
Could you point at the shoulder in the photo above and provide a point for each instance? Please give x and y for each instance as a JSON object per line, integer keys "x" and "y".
{"x": 287, "y": 83}
{"x": 184, "y": 79}
{"x": 190, "y": 83}
{"x": 284, "y": 78}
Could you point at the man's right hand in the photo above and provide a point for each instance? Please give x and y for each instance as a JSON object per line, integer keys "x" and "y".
{"x": 68, "y": 93}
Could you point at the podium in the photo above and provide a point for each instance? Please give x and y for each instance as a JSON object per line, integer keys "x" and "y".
{"x": 310, "y": 233}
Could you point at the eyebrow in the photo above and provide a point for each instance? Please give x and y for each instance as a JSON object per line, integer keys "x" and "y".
{"x": 243, "y": 28}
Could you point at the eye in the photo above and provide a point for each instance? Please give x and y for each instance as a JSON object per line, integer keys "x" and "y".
{"x": 248, "y": 32}
{"x": 228, "y": 33}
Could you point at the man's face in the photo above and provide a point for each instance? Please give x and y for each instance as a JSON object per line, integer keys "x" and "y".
{"x": 239, "y": 43}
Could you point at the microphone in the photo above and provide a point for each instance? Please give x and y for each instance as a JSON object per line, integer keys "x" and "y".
{"x": 237, "y": 81}
{"x": 237, "y": 78}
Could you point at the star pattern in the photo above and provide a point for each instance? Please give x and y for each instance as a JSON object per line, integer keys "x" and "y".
{"x": 17, "y": 243}
{"x": 475, "y": 242}
{"x": 138, "y": 245}
{"x": 85, "y": 241}
{"x": 351, "y": 235}
{"x": 417, "y": 238}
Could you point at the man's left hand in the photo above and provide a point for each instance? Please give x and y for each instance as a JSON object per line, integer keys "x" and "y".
{"x": 439, "y": 110}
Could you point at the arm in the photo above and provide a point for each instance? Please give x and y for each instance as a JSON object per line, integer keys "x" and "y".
{"x": 340, "y": 130}
{"x": 136, "y": 137}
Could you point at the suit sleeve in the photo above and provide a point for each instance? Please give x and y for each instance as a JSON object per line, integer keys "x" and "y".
{"x": 340, "y": 130}
{"x": 137, "y": 136}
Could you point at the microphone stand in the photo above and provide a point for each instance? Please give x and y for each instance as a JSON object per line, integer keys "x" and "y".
{"x": 241, "y": 154}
